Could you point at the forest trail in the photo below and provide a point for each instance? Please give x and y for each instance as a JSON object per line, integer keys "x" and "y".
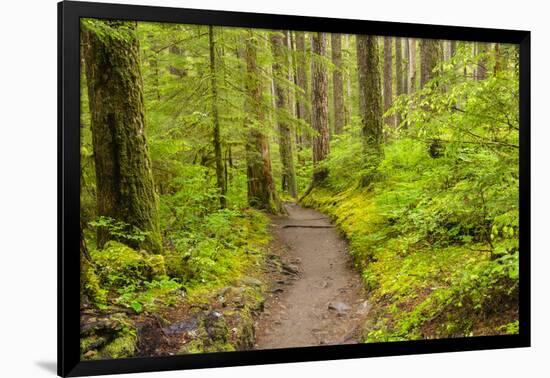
{"x": 316, "y": 294}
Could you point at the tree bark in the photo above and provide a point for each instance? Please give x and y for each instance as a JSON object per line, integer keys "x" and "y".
{"x": 388, "y": 79}
{"x": 216, "y": 139}
{"x": 430, "y": 54}
{"x": 370, "y": 104}
{"x": 124, "y": 178}
{"x": 348, "y": 103}
{"x": 337, "y": 82}
{"x": 301, "y": 80}
{"x": 498, "y": 59}
{"x": 289, "y": 61}
{"x": 481, "y": 71}
{"x": 320, "y": 108}
{"x": 280, "y": 72}
{"x": 411, "y": 85}
{"x": 261, "y": 190}
{"x": 406, "y": 65}
{"x": 399, "y": 86}
{"x": 452, "y": 49}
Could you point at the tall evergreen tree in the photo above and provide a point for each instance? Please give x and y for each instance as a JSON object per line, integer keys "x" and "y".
{"x": 399, "y": 74}
{"x": 337, "y": 82}
{"x": 481, "y": 70}
{"x": 124, "y": 178}
{"x": 411, "y": 83}
{"x": 430, "y": 52}
{"x": 388, "y": 78}
{"x": 216, "y": 140}
{"x": 303, "y": 111}
{"x": 320, "y": 107}
{"x": 261, "y": 189}
{"x": 280, "y": 72}
{"x": 370, "y": 104}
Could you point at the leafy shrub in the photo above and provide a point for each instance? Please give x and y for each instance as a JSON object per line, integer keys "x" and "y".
{"x": 150, "y": 295}
{"x": 120, "y": 266}
{"x": 119, "y": 230}
{"x": 217, "y": 249}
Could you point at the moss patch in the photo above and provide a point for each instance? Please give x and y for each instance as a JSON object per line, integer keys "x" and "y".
{"x": 119, "y": 265}
{"x": 420, "y": 290}
{"x": 107, "y": 336}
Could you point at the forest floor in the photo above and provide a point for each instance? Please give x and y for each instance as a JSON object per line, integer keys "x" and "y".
{"x": 304, "y": 292}
{"x": 318, "y": 297}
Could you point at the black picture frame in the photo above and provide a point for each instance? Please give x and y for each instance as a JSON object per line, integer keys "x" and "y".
{"x": 69, "y": 14}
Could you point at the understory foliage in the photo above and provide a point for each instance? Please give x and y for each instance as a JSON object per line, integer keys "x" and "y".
{"x": 436, "y": 237}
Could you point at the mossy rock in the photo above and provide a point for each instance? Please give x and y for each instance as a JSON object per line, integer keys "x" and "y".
{"x": 244, "y": 332}
{"x": 107, "y": 337}
{"x": 213, "y": 336}
{"x": 119, "y": 265}
{"x": 90, "y": 285}
{"x": 120, "y": 347}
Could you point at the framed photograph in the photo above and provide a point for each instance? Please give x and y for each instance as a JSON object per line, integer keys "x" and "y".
{"x": 239, "y": 188}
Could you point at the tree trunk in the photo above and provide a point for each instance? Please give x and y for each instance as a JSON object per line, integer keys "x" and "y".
{"x": 452, "y": 49}
{"x": 124, "y": 178}
{"x": 301, "y": 79}
{"x": 411, "y": 85}
{"x": 291, "y": 75}
{"x": 261, "y": 190}
{"x": 370, "y": 104}
{"x": 216, "y": 140}
{"x": 280, "y": 73}
{"x": 320, "y": 108}
{"x": 337, "y": 82}
{"x": 430, "y": 54}
{"x": 498, "y": 60}
{"x": 388, "y": 84}
{"x": 482, "y": 62}
{"x": 348, "y": 104}
{"x": 399, "y": 86}
{"x": 406, "y": 65}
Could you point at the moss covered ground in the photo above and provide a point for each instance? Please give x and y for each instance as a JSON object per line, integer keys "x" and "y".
{"x": 212, "y": 280}
{"x": 419, "y": 290}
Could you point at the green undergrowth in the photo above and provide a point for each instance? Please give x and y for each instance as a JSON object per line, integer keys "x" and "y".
{"x": 437, "y": 260}
{"x": 205, "y": 250}
{"x": 227, "y": 245}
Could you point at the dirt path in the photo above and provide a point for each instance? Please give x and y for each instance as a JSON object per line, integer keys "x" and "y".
{"x": 316, "y": 295}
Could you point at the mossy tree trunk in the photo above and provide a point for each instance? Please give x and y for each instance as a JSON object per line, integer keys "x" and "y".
{"x": 302, "y": 82}
{"x": 399, "y": 74}
{"x": 411, "y": 82}
{"x": 320, "y": 108}
{"x": 370, "y": 105}
{"x": 261, "y": 189}
{"x": 452, "y": 48}
{"x": 498, "y": 59}
{"x": 349, "y": 68}
{"x": 280, "y": 74}
{"x": 430, "y": 52}
{"x": 337, "y": 82}
{"x": 388, "y": 78}
{"x": 216, "y": 139}
{"x": 124, "y": 177}
{"x": 482, "y": 63}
